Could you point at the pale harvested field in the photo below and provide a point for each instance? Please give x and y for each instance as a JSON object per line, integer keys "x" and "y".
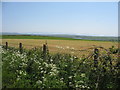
{"x": 74, "y": 47}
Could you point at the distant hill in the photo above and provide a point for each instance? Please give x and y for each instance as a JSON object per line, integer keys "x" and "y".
{"x": 10, "y": 33}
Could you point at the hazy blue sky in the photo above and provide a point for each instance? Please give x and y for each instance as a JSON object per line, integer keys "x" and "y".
{"x": 0, "y": 17}
{"x": 89, "y": 18}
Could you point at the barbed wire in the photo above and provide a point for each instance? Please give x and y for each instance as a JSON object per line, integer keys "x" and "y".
{"x": 91, "y": 48}
{"x": 69, "y": 49}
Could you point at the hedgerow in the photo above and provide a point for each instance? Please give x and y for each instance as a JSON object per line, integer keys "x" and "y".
{"x": 32, "y": 70}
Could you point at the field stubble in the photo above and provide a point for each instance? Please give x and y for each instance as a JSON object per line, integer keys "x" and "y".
{"x": 74, "y": 47}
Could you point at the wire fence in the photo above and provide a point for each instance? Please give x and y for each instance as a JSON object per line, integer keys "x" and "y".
{"x": 57, "y": 47}
{"x": 93, "y": 53}
{"x": 60, "y": 49}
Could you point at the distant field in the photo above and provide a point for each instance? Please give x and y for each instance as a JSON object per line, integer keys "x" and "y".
{"x": 61, "y": 37}
{"x": 58, "y": 45}
{"x": 34, "y": 37}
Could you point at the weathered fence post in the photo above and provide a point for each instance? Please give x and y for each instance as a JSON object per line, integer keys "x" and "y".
{"x": 6, "y": 46}
{"x": 20, "y": 48}
{"x": 96, "y": 52}
{"x": 44, "y": 51}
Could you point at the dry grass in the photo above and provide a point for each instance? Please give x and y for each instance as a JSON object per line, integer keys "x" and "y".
{"x": 75, "y": 47}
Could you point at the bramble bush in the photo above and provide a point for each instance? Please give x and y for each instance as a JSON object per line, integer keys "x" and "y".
{"x": 31, "y": 70}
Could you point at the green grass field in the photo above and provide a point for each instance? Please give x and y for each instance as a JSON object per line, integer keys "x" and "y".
{"x": 52, "y": 38}
{"x": 33, "y": 37}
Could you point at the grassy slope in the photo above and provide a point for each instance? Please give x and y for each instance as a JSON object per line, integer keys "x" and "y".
{"x": 37, "y": 37}
{"x": 42, "y": 37}
{"x": 33, "y": 37}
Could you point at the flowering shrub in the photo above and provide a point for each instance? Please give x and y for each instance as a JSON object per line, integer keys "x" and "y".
{"x": 31, "y": 70}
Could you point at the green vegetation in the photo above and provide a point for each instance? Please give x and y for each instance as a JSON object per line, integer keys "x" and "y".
{"x": 0, "y": 36}
{"x": 33, "y": 37}
{"x": 60, "y": 37}
{"x": 37, "y": 69}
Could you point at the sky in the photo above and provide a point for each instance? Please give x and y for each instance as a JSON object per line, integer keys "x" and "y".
{"x": 0, "y": 17}
{"x": 85, "y": 18}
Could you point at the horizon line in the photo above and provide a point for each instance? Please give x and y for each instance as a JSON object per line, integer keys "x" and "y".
{"x": 35, "y": 33}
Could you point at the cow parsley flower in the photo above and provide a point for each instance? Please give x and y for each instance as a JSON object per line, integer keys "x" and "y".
{"x": 39, "y": 82}
{"x": 82, "y": 75}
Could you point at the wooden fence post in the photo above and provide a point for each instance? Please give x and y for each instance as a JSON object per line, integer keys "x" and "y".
{"x": 96, "y": 52}
{"x": 6, "y": 47}
{"x": 44, "y": 51}
{"x": 20, "y": 48}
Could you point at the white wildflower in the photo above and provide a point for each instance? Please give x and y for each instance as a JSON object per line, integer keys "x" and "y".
{"x": 83, "y": 86}
{"x": 18, "y": 79}
{"x": 20, "y": 72}
{"x": 81, "y": 81}
{"x": 41, "y": 68}
{"x": 38, "y": 82}
{"x": 24, "y": 73}
{"x": 82, "y": 75}
{"x": 42, "y": 71}
{"x": 51, "y": 60}
{"x": 70, "y": 77}
{"x": 76, "y": 86}
{"x": 43, "y": 77}
{"x": 70, "y": 82}
{"x": 65, "y": 65}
